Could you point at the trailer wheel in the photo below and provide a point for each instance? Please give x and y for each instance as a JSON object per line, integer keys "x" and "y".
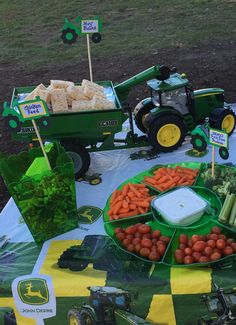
{"x": 79, "y": 156}
{"x": 223, "y": 119}
{"x": 167, "y": 133}
{"x": 140, "y": 112}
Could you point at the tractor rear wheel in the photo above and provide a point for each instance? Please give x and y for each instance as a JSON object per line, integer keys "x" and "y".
{"x": 140, "y": 112}
{"x": 223, "y": 119}
{"x": 81, "y": 317}
{"x": 167, "y": 133}
{"x": 79, "y": 156}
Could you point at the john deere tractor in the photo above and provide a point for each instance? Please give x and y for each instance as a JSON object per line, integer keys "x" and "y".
{"x": 174, "y": 109}
{"x": 107, "y": 306}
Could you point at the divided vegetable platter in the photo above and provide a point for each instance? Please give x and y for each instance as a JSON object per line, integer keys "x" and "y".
{"x": 156, "y": 226}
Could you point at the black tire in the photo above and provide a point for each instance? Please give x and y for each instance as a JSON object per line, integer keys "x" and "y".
{"x": 83, "y": 317}
{"x": 12, "y": 122}
{"x": 141, "y": 109}
{"x": 224, "y": 153}
{"x": 69, "y": 40}
{"x": 80, "y": 157}
{"x": 168, "y": 142}
{"x": 96, "y": 38}
{"x": 10, "y": 318}
{"x": 198, "y": 143}
{"x": 221, "y": 116}
{"x": 77, "y": 265}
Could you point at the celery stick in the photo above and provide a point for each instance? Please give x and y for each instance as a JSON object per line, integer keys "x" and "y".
{"x": 224, "y": 215}
{"x": 233, "y": 212}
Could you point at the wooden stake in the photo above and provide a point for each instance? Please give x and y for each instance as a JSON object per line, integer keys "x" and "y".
{"x": 89, "y": 58}
{"x": 41, "y": 143}
{"x": 213, "y": 162}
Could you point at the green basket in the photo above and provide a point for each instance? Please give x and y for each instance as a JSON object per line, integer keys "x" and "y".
{"x": 46, "y": 199}
{"x": 210, "y": 213}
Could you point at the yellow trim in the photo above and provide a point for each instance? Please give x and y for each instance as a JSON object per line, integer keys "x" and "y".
{"x": 168, "y": 135}
{"x": 73, "y": 320}
{"x": 122, "y": 316}
{"x": 106, "y": 133}
{"x": 162, "y": 308}
{"x": 190, "y": 281}
{"x": 228, "y": 123}
{"x": 208, "y": 94}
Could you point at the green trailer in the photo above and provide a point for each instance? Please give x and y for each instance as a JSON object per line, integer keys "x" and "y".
{"x": 172, "y": 111}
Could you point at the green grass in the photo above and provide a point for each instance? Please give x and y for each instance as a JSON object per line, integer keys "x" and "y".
{"x": 30, "y": 30}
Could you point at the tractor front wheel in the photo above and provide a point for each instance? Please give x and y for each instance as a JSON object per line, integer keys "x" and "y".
{"x": 79, "y": 156}
{"x": 167, "y": 133}
{"x": 198, "y": 142}
{"x": 223, "y": 119}
{"x": 81, "y": 317}
{"x": 140, "y": 112}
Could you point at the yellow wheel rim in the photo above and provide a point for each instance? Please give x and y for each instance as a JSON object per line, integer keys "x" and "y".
{"x": 143, "y": 119}
{"x": 95, "y": 181}
{"x": 228, "y": 123}
{"x": 168, "y": 135}
{"x": 74, "y": 320}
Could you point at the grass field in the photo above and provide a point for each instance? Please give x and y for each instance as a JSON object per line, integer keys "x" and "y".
{"x": 30, "y": 30}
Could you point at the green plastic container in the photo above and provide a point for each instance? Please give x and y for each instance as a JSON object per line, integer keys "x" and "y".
{"x": 140, "y": 217}
{"x": 150, "y": 172}
{"x": 46, "y": 199}
{"x": 211, "y": 212}
{"x": 203, "y": 230}
{"x": 165, "y": 231}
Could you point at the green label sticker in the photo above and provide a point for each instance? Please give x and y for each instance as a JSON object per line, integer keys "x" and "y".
{"x": 33, "y": 291}
{"x": 88, "y": 214}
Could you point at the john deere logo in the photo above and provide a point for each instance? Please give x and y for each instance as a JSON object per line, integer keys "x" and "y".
{"x": 33, "y": 291}
{"x": 88, "y": 214}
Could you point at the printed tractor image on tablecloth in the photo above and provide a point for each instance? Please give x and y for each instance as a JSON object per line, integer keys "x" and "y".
{"x": 107, "y": 306}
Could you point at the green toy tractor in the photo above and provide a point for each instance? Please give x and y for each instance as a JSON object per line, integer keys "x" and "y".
{"x": 174, "y": 109}
{"x": 107, "y": 306}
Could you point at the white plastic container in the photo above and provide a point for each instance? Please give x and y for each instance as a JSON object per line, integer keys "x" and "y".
{"x": 180, "y": 207}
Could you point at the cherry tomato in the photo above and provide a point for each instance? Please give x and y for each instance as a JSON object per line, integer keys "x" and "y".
{"x": 144, "y": 252}
{"x": 188, "y": 259}
{"x": 131, "y": 230}
{"x": 136, "y": 241}
{"x": 182, "y": 246}
{"x": 188, "y": 251}
{"x": 217, "y": 250}
{"x": 215, "y": 230}
{"x": 131, "y": 237}
{"x": 196, "y": 256}
{"x": 195, "y": 238}
{"x": 126, "y": 242}
{"x": 118, "y": 229}
{"x": 213, "y": 236}
{"x": 203, "y": 259}
{"x": 233, "y": 245}
{"x": 161, "y": 249}
{"x": 144, "y": 229}
{"x": 120, "y": 236}
{"x": 183, "y": 239}
{"x": 208, "y": 251}
{"x": 221, "y": 236}
{"x": 220, "y": 243}
{"x": 179, "y": 256}
{"x": 203, "y": 237}
{"x": 215, "y": 256}
{"x": 137, "y": 248}
{"x": 165, "y": 239}
{"x": 156, "y": 234}
{"x": 153, "y": 248}
{"x": 154, "y": 256}
{"x": 130, "y": 248}
{"x": 147, "y": 236}
{"x": 190, "y": 243}
{"x": 228, "y": 250}
{"x": 211, "y": 243}
{"x": 229, "y": 241}
{"x": 154, "y": 240}
{"x": 137, "y": 235}
{"x": 159, "y": 242}
{"x": 199, "y": 246}
{"x": 146, "y": 243}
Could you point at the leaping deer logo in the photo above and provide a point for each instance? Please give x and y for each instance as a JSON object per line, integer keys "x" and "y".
{"x": 86, "y": 214}
{"x": 29, "y": 293}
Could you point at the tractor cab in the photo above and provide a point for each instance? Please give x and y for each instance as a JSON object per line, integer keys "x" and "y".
{"x": 105, "y": 300}
{"x": 174, "y": 92}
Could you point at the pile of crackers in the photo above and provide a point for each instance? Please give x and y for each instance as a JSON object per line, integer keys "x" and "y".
{"x": 64, "y": 96}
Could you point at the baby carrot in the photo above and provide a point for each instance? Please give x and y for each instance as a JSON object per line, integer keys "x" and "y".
{"x": 117, "y": 207}
{"x": 125, "y": 190}
{"x": 128, "y": 214}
